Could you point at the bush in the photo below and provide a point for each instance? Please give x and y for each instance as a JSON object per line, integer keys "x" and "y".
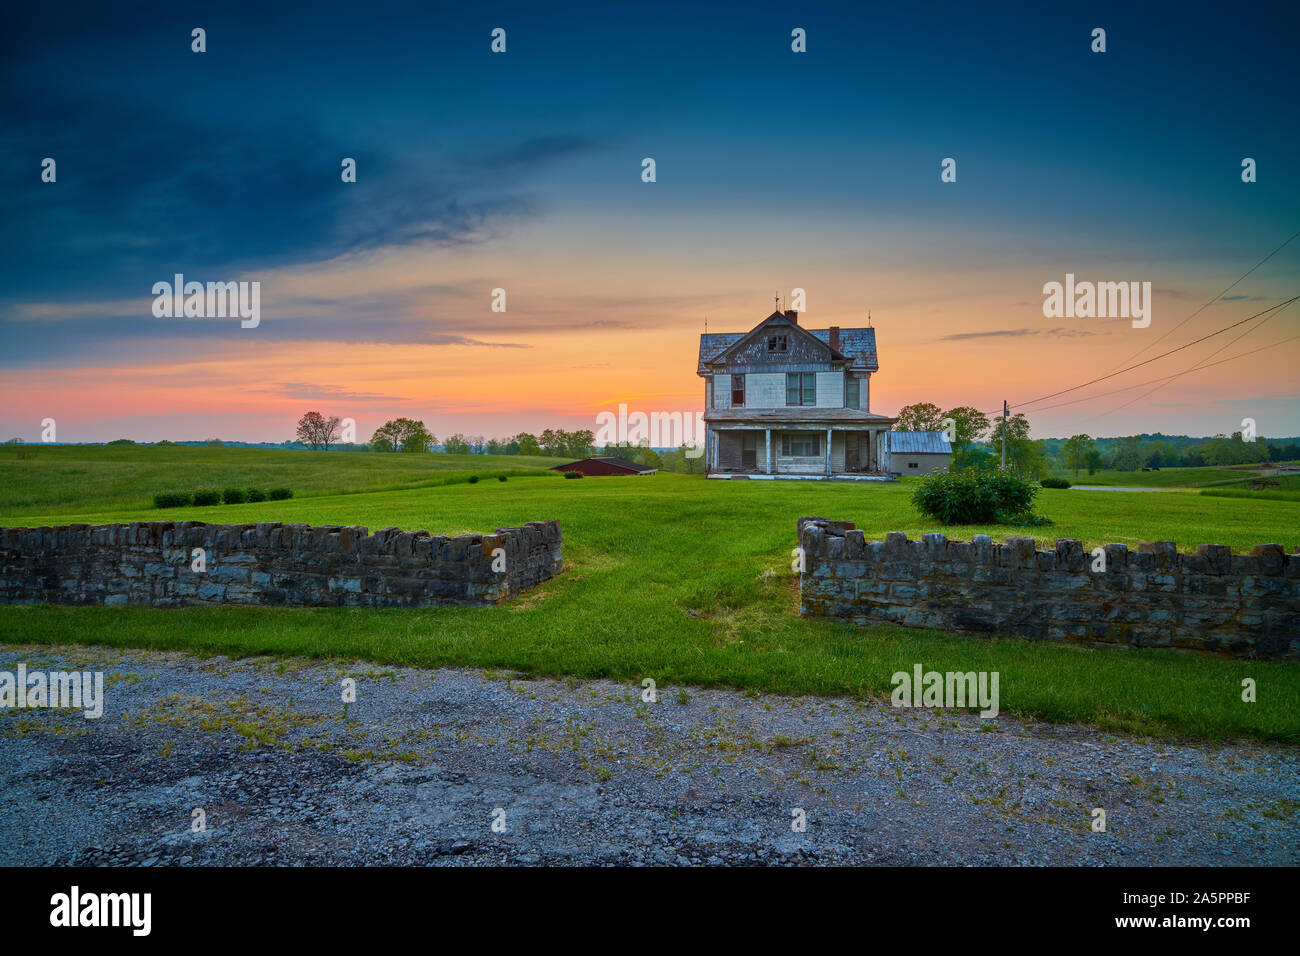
{"x": 573, "y": 474}
{"x": 279, "y": 494}
{"x": 501, "y": 477}
{"x": 234, "y": 496}
{"x": 473, "y": 479}
{"x": 205, "y": 498}
{"x": 256, "y": 494}
{"x": 973, "y": 497}
{"x": 171, "y": 499}
{"x": 1054, "y": 483}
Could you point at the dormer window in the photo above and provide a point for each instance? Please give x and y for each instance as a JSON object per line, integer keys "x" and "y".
{"x": 776, "y": 343}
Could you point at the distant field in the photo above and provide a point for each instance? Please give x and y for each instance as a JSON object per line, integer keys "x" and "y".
{"x": 688, "y": 581}
{"x": 1171, "y": 478}
{"x": 56, "y": 479}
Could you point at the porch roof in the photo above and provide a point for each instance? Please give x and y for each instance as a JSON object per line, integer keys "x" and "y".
{"x": 795, "y": 417}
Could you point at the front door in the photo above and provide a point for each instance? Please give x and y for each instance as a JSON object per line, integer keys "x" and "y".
{"x": 749, "y": 450}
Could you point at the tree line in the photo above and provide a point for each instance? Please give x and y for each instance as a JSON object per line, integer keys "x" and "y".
{"x": 977, "y": 443}
{"x": 321, "y": 432}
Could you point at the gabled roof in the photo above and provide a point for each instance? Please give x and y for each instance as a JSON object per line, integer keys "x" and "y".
{"x": 919, "y": 443}
{"x": 857, "y": 345}
{"x": 616, "y": 462}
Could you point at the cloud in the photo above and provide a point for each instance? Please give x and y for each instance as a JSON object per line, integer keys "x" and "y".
{"x": 1016, "y": 333}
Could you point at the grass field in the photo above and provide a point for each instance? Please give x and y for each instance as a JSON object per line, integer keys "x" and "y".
{"x": 1172, "y": 478}
{"x": 688, "y": 581}
{"x": 54, "y": 479}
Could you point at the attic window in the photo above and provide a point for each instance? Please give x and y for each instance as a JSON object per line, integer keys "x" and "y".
{"x": 776, "y": 343}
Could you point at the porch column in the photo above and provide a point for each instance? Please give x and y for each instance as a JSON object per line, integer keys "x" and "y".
{"x": 767, "y": 455}
{"x": 888, "y": 464}
{"x": 828, "y": 452}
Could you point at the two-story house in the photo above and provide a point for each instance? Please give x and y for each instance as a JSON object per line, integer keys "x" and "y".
{"x": 784, "y": 401}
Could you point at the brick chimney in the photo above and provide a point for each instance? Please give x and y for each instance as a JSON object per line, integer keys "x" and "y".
{"x": 792, "y": 315}
{"x": 835, "y": 337}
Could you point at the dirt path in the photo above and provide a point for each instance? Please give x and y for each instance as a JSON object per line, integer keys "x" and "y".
{"x": 426, "y": 760}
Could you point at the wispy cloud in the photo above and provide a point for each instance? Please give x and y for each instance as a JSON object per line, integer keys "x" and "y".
{"x": 1017, "y": 333}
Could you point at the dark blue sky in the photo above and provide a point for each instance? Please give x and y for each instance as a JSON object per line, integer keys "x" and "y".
{"x": 227, "y": 162}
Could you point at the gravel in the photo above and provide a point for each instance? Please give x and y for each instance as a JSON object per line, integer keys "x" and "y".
{"x": 453, "y": 767}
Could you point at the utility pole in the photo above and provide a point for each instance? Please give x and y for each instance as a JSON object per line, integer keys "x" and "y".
{"x": 1004, "y": 434}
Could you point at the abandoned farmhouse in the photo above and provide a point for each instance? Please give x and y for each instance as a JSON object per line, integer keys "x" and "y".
{"x": 783, "y": 401}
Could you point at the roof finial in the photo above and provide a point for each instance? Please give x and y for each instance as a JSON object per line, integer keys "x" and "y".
{"x": 868, "y": 318}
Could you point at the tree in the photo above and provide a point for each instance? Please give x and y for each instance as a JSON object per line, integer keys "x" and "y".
{"x": 406, "y": 434}
{"x": 1093, "y": 461}
{"x": 526, "y": 444}
{"x": 967, "y": 425}
{"x": 1128, "y": 454}
{"x": 1076, "y": 451}
{"x": 1026, "y": 458}
{"x": 692, "y": 463}
{"x": 317, "y": 431}
{"x": 921, "y": 417}
{"x": 1017, "y": 430}
{"x": 576, "y": 444}
{"x": 456, "y": 444}
{"x": 549, "y": 441}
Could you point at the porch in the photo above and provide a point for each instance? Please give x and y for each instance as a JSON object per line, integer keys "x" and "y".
{"x": 794, "y": 450}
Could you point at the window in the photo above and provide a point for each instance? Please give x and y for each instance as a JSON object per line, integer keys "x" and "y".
{"x": 912, "y": 464}
{"x": 801, "y": 445}
{"x": 800, "y": 388}
{"x": 776, "y": 343}
{"x": 737, "y": 391}
{"x": 852, "y": 393}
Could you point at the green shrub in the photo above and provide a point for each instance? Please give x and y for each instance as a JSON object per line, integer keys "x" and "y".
{"x": 973, "y": 497}
{"x": 1054, "y": 483}
{"x": 279, "y": 494}
{"x": 171, "y": 499}
{"x": 573, "y": 474}
{"x": 501, "y": 477}
{"x": 473, "y": 479}
{"x": 256, "y": 494}
{"x": 205, "y": 498}
{"x": 234, "y": 496}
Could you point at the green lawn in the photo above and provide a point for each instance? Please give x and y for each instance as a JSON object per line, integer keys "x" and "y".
{"x": 1163, "y": 478}
{"x": 688, "y": 581}
{"x": 57, "y": 479}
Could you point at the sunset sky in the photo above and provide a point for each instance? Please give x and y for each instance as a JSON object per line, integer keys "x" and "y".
{"x": 522, "y": 170}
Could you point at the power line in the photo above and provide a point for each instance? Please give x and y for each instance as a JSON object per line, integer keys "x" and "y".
{"x": 1167, "y": 378}
{"x": 1156, "y": 358}
{"x": 1216, "y": 298}
{"x": 1199, "y": 365}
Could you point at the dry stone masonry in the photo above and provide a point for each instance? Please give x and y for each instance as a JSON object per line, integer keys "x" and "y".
{"x": 1246, "y": 605}
{"x": 153, "y": 563}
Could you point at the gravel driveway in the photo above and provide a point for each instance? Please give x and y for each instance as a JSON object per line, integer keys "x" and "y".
{"x": 460, "y": 767}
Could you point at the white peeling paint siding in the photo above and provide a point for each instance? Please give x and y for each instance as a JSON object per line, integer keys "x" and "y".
{"x": 830, "y": 389}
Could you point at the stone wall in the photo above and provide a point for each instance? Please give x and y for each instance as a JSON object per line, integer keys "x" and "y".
{"x": 1246, "y": 605}
{"x": 152, "y": 563}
